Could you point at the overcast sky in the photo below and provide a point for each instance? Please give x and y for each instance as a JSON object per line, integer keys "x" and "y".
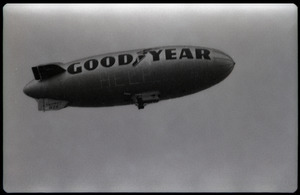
{"x": 238, "y": 136}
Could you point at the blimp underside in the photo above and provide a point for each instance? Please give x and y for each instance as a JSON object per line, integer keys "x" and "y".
{"x": 135, "y": 77}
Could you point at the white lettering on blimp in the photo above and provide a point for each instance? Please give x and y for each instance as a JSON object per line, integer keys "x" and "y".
{"x": 126, "y": 59}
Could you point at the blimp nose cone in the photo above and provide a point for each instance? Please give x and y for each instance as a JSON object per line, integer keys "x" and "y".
{"x": 32, "y": 89}
{"x": 230, "y": 65}
{"x": 224, "y": 62}
{"x": 222, "y": 65}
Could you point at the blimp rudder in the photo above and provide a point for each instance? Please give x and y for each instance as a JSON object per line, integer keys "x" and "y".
{"x": 42, "y": 72}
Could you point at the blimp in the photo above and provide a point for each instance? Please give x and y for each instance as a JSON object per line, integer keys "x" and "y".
{"x": 137, "y": 77}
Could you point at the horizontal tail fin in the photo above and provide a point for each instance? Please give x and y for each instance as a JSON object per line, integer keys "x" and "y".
{"x": 51, "y": 104}
{"x": 46, "y": 71}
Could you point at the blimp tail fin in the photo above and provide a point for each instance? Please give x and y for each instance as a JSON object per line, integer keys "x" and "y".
{"x": 51, "y": 104}
{"x": 46, "y": 71}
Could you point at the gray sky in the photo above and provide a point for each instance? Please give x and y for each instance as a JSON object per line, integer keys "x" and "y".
{"x": 238, "y": 136}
